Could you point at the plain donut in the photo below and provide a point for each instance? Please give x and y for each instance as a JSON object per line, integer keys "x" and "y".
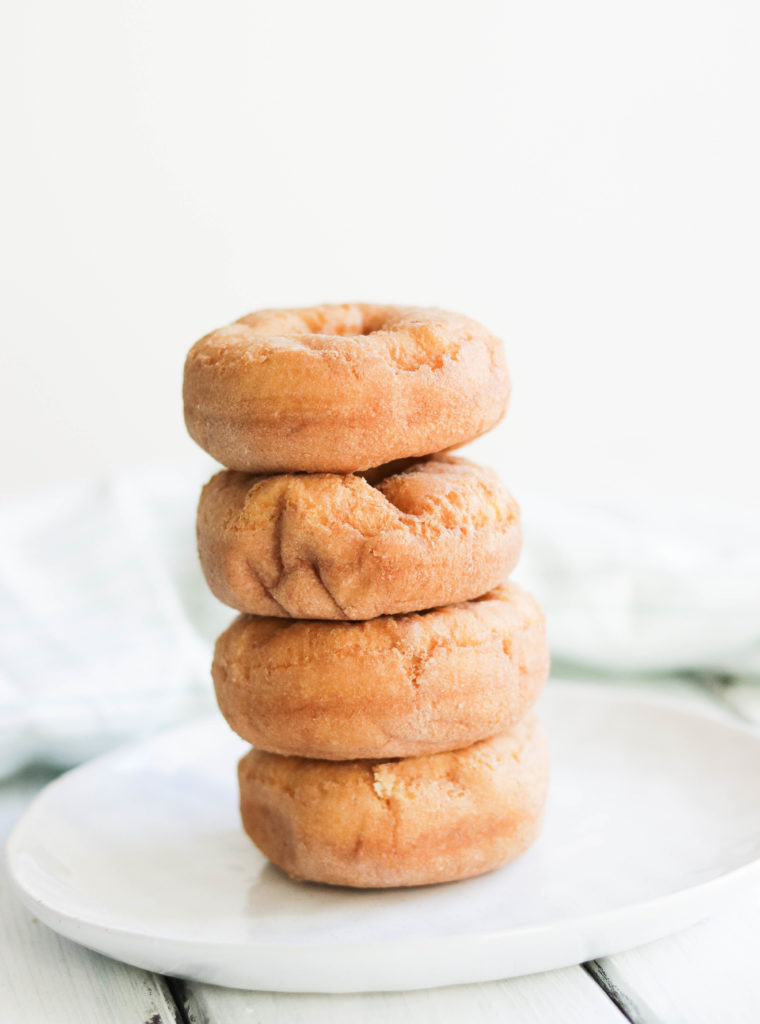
{"x": 415, "y": 821}
{"x": 325, "y": 546}
{"x": 342, "y": 388}
{"x": 395, "y": 686}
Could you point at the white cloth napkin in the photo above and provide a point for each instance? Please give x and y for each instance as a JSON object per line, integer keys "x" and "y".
{"x": 646, "y": 589}
{"x": 106, "y": 625}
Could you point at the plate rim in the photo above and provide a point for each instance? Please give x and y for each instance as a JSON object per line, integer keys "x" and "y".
{"x": 700, "y": 897}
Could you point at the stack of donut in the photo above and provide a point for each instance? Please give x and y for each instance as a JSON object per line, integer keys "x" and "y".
{"x": 383, "y": 667}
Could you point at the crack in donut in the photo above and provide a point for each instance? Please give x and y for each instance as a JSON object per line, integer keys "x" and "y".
{"x": 328, "y": 546}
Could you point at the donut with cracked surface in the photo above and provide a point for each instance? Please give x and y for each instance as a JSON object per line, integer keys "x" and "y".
{"x": 394, "y": 686}
{"x": 342, "y": 388}
{"x": 415, "y": 821}
{"x": 325, "y": 546}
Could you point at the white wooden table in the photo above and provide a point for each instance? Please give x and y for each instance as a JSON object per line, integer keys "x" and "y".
{"x": 710, "y": 973}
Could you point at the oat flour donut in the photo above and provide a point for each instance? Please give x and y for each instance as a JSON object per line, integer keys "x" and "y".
{"x": 342, "y": 388}
{"x": 324, "y": 546}
{"x": 395, "y": 686}
{"x": 409, "y": 822}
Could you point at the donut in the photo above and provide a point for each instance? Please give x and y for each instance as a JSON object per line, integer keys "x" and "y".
{"x": 326, "y": 546}
{"x": 394, "y": 686}
{"x": 415, "y": 821}
{"x": 338, "y": 389}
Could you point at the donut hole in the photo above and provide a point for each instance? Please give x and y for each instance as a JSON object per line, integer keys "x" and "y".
{"x": 343, "y": 321}
{"x": 373, "y": 322}
{"x": 371, "y": 325}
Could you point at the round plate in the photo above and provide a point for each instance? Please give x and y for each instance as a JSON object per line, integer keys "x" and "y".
{"x": 652, "y": 819}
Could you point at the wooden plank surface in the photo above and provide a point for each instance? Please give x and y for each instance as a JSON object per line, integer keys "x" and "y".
{"x": 709, "y": 974}
{"x": 45, "y": 979}
{"x": 564, "y": 997}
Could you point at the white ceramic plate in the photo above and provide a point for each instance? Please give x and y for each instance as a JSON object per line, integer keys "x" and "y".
{"x": 652, "y": 821}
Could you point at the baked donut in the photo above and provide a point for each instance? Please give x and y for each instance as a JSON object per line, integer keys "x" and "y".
{"x": 342, "y": 388}
{"x": 324, "y": 546}
{"x": 395, "y": 686}
{"x": 409, "y": 822}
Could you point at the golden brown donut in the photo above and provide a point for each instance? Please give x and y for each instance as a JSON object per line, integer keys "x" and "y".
{"x": 342, "y": 388}
{"x": 323, "y": 546}
{"x": 409, "y": 822}
{"x": 395, "y": 686}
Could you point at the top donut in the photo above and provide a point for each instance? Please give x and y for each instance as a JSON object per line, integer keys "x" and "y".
{"x": 341, "y": 389}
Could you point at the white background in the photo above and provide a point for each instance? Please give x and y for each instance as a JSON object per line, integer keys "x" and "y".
{"x": 582, "y": 177}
